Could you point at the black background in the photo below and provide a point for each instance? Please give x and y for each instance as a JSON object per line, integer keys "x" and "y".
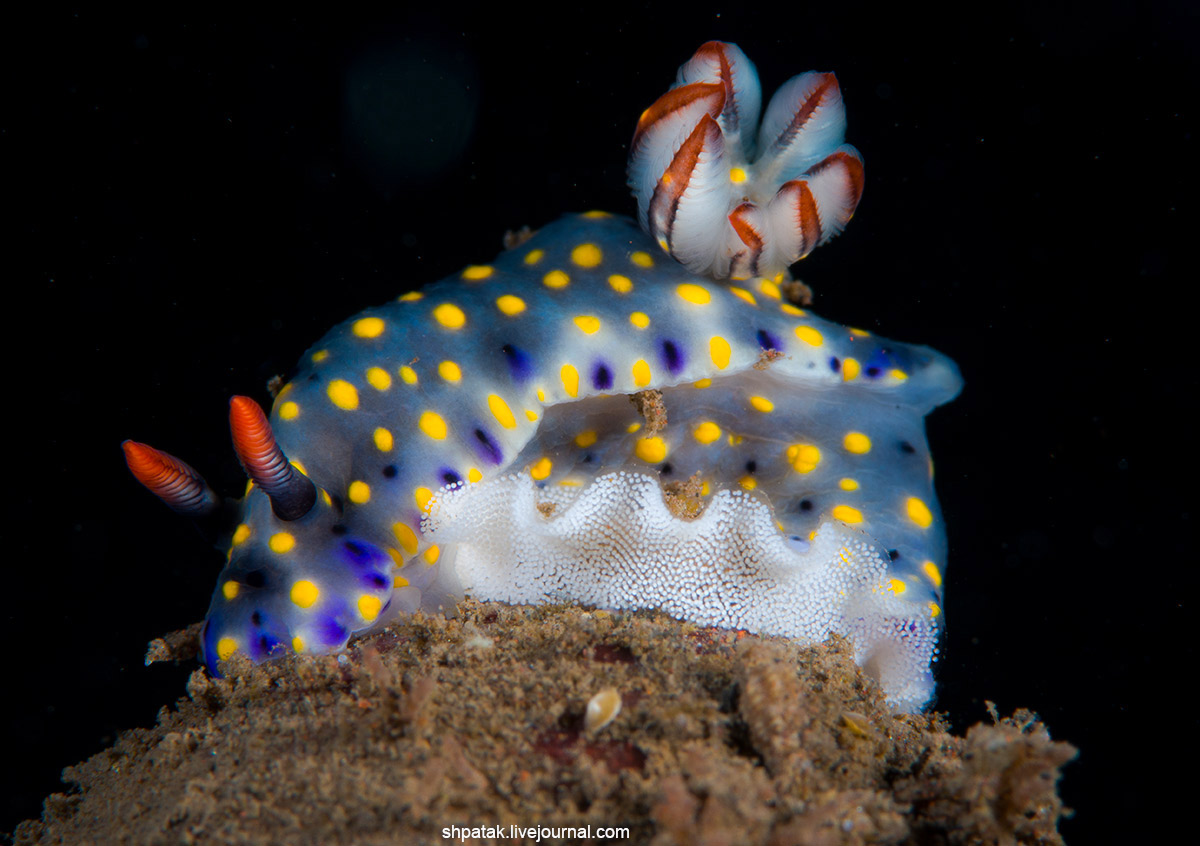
{"x": 192, "y": 201}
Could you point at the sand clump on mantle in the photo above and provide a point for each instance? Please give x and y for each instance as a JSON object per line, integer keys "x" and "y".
{"x": 721, "y": 738}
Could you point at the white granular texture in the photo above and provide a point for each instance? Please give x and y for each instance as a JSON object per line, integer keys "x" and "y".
{"x": 614, "y": 544}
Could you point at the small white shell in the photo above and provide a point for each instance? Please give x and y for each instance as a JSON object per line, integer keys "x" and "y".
{"x": 602, "y": 709}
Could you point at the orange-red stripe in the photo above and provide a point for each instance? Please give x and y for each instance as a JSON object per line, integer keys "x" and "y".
{"x": 680, "y": 98}
{"x": 674, "y": 181}
{"x": 854, "y": 174}
{"x": 805, "y": 112}
{"x": 804, "y": 212}
{"x": 717, "y": 49}
{"x": 749, "y": 235}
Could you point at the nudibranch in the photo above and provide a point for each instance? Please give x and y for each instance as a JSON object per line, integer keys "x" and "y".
{"x": 477, "y": 436}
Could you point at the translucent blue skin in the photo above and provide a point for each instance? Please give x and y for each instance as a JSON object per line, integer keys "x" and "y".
{"x": 342, "y": 547}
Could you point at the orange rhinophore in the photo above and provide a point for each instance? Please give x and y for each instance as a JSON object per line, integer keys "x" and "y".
{"x": 170, "y": 479}
{"x": 292, "y": 494}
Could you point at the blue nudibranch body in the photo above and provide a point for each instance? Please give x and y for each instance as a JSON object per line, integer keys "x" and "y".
{"x": 478, "y": 436}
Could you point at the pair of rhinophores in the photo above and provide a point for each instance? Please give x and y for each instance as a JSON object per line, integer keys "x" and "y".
{"x": 477, "y": 436}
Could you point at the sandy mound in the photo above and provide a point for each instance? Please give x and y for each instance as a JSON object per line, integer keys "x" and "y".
{"x": 480, "y": 721}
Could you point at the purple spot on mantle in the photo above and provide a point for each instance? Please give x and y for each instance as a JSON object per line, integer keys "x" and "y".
{"x": 330, "y": 631}
{"x": 519, "y": 362}
{"x": 602, "y": 378}
{"x": 488, "y": 449}
{"x": 672, "y": 357}
{"x": 768, "y": 341}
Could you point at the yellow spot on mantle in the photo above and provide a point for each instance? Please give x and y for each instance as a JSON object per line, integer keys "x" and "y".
{"x": 639, "y": 319}
{"x": 289, "y": 411}
{"x": 570, "y": 380}
{"x": 541, "y": 469}
{"x": 587, "y": 255}
{"x": 804, "y": 458}
{"x": 651, "y": 450}
{"x": 406, "y": 537}
{"x": 319, "y": 356}
{"x": 501, "y": 411}
{"x": 432, "y": 424}
{"x": 585, "y": 439}
{"x": 343, "y": 394}
{"x": 411, "y": 297}
{"x": 230, "y": 589}
{"x": 620, "y": 284}
{"x": 476, "y": 272}
{"x": 534, "y": 256}
{"x": 850, "y": 369}
{"x": 281, "y": 542}
{"x": 450, "y": 371}
{"x": 737, "y": 175}
{"x": 847, "y": 514}
{"x": 422, "y": 496}
{"x": 556, "y": 279}
{"x": 857, "y": 443}
{"x": 897, "y": 585}
{"x": 762, "y": 404}
{"x": 383, "y": 439}
{"x": 848, "y": 485}
{"x": 748, "y": 482}
{"x": 240, "y": 534}
{"x": 305, "y": 594}
{"x": 641, "y": 373}
{"x": 431, "y": 555}
{"x": 510, "y": 305}
{"x": 369, "y": 607}
{"x": 719, "y": 350}
{"x": 701, "y": 384}
{"x": 918, "y": 512}
{"x": 642, "y": 259}
{"x": 226, "y": 646}
{"x": 588, "y": 324}
{"x": 706, "y": 432}
{"x": 379, "y": 378}
{"x": 408, "y": 375}
{"x": 450, "y": 316}
{"x": 809, "y": 335}
{"x": 368, "y": 327}
{"x": 932, "y": 573}
{"x": 742, "y": 293}
{"x": 693, "y": 293}
{"x": 359, "y": 492}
